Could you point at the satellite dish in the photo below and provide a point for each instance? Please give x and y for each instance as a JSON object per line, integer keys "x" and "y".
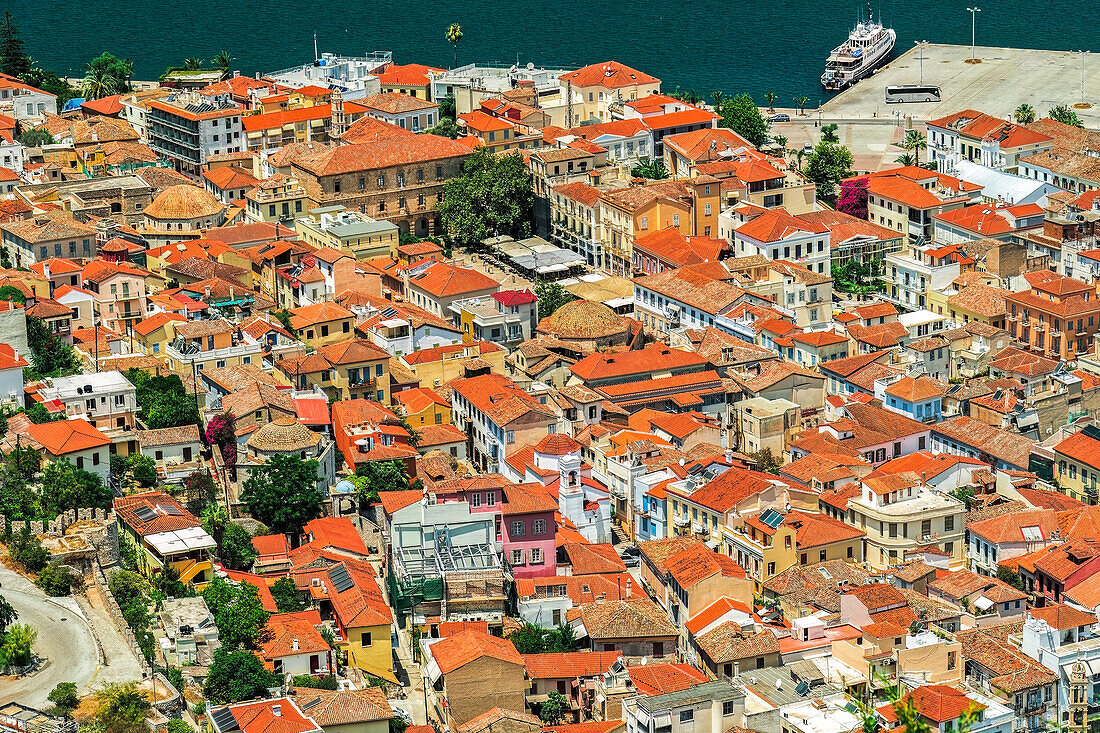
{"x": 530, "y": 66}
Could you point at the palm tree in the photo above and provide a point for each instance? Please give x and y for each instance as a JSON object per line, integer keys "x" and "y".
{"x": 192, "y": 64}
{"x": 799, "y": 154}
{"x": 906, "y": 159}
{"x": 781, "y": 141}
{"x": 913, "y": 143}
{"x": 222, "y": 60}
{"x": 454, "y": 35}
{"x": 649, "y": 168}
{"x": 802, "y": 102}
{"x": 717, "y": 96}
{"x": 770, "y": 98}
{"x": 98, "y": 83}
{"x": 1024, "y": 114}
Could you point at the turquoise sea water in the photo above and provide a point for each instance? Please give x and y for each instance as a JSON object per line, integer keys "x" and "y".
{"x": 751, "y": 45}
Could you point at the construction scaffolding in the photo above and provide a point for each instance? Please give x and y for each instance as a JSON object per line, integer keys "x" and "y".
{"x": 451, "y": 581}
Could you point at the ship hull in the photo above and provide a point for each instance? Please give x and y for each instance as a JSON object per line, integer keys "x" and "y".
{"x": 837, "y": 82}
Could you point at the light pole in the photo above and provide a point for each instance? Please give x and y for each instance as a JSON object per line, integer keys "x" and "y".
{"x": 973, "y": 21}
{"x": 1083, "y": 53}
{"x": 920, "y": 46}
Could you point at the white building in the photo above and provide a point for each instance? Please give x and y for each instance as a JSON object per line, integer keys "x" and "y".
{"x": 354, "y": 75}
{"x": 914, "y": 272}
{"x": 777, "y": 235}
{"x": 105, "y": 399}
{"x": 187, "y": 129}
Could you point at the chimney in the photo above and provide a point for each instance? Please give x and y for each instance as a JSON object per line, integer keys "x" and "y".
{"x": 736, "y": 669}
{"x": 629, "y": 581}
{"x": 294, "y": 645}
{"x": 277, "y": 710}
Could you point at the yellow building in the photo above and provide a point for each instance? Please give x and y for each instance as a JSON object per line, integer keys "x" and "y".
{"x": 423, "y": 406}
{"x": 1077, "y": 464}
{"x": 597, "y": 87}
{"x": 494, "y": 133}
{"x": 414, "y": 80}
{"x": 161, "y": 533}
{"x": 349, "y": 369}
{"x": 690, "y": 205}
{"x": 438, "y": 366}
{"x": 152, "y": 335}
{"x": 335, "y": 227}
{"x": 322, "y": 324}
{"x": 278, "y": 198}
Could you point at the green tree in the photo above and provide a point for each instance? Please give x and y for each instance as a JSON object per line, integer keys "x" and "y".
{"x": 64, "y": 696}
{"x": 554, "y": 709}
{"x": 16, "y": 648}
{"x": 235, "y": 550}
{"x": 105, "y": 75}
{"x": 49, "y": 354}
{"x": 198, "y": 490}
{"x": 398, "y": 725}
{"x": 716, "y": 98}
{"x": 238, "y": 613}
{"x": 178, "y": 726}
{"x": 649, "y": 168}
{"x": 27, "y": 550}
{"x": 1024, "y": 114}
{"x": 766, "y": 461}
{"x": 64, "y": 487}
{"x": 55, "y": 579}
{"x": 828, "y": 133}
{"x": 237, "y": 675}
{"x": 493, "y": 195}
{"x": 24, "y": 460}
{"x": 529, "y": 639}
{"x": 741, "y": 115}
{"x": 286, "y": 595}
{"x": 802, "y": 101}
{"x": 1010, "y": 576}
{"x": 447, "y": 107}
{"x": 282, "y": 493}
{"x": 222, "y": 60}
{"x": 14, "y": 60}
{"x": 121, "y": 708}
{"x": 446, "y": 127}
{"x": 143, "y": 469}
{"x": 17, "y": 500}
{"x": 12, "y": 293}
{"x": 374, "y": 477}
{"x": 35, "y": 138}
{"x": 8, "y": 615}
{"x": 1065, "y": 114}
{"x": 551, "y": 295}
{"x": 914, "y": 142}
{"x": 454, "y": 35}
{"x": 770, "y": 98}
{"x": 827, "y": 166}
{"x": 284, "y": 319}
{"x": 38, "y": 414}
{"x": 192, "y": 64}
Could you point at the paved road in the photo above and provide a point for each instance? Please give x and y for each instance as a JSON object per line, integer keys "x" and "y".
{"x": 64, "y": 639}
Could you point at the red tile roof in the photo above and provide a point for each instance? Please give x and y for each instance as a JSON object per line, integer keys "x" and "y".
{"x": 68, "y": 436}
{"x": 610, "y": 74}
{"x": 461, "y": 649}
{"x": 568, "y": 665}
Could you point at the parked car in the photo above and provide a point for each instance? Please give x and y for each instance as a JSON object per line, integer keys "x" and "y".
{"x": 781, "y": 117}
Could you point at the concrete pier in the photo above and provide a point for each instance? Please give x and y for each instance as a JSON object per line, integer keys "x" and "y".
{"x": 1005, "y": 78}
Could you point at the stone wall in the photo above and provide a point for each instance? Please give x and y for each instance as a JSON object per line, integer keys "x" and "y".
{"x": 109, "y": 602}
{"x": 103, "y": 537}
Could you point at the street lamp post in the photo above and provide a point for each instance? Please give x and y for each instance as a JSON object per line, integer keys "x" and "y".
{"x": 1083, "y": 53}
{"x": 973, "y": 24}
{"x": 920, "y": 46}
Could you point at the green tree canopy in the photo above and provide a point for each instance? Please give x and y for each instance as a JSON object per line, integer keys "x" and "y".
{"x": 1065, "y": 114}
{"x": 64, "y": 695}
{"x": 286, "y": 595}
{"x": 50, "y": 355}
{"x": 282, "y": 493}
{"x": 12, "y": 293}
{"x": 238, "y": 613}
{"x": 14, "y": 60}
{"x": 163, "y": 400}
{"x": 1024, "y": 114}
{"x": 374, "y": 477}
{"x": 107, "y": 74}
{"x": 35, "y": 138}
{"x": 121, "y": 708}
{"x": 8, "y": 615}
{"x": 827, "y": 166}
{"x": 17, "y": 646}
{"x": 741, "y": 115}
{"x": 237, "y": 675}
{"x": 551, "y": 295}
{"x": 554, "y": 709}
{"x": 55, "y": 579}
{"x": 493, "y": 196}
{"x": 64, "y": 487}
{"x": 649, "y": 168}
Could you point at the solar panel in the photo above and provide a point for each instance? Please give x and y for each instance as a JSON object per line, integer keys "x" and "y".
{"x": 144, "y": 513}
{"x": 340, "y": 578}
{"x": 224, "y": 720}
{"x": 771, "y": 518}
{"x": 311, "y": 704}
{"x": 174, "y": 511}
{"x": 801, "y": 689}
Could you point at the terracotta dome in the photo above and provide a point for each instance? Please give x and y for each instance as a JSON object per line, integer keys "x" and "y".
{"x": 285, "y": 435}
{"x": 583, "y": 319}
{"x": 557, "y": 444}
{"x": 184, "y": 202}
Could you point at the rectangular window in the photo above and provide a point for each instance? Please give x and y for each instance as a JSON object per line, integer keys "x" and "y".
{"x": 475, "y": 500}
{"x": 517, "y": 557}
{"x": 490, "y": 499}
{"x": 727, "y": 708}
{"x": 538, "y": 526}
{"x": 536, "y": 556}
{"x": 365, "y": 639}
{"x": 516, "y": 529}
{"x": 686, "y": 716}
